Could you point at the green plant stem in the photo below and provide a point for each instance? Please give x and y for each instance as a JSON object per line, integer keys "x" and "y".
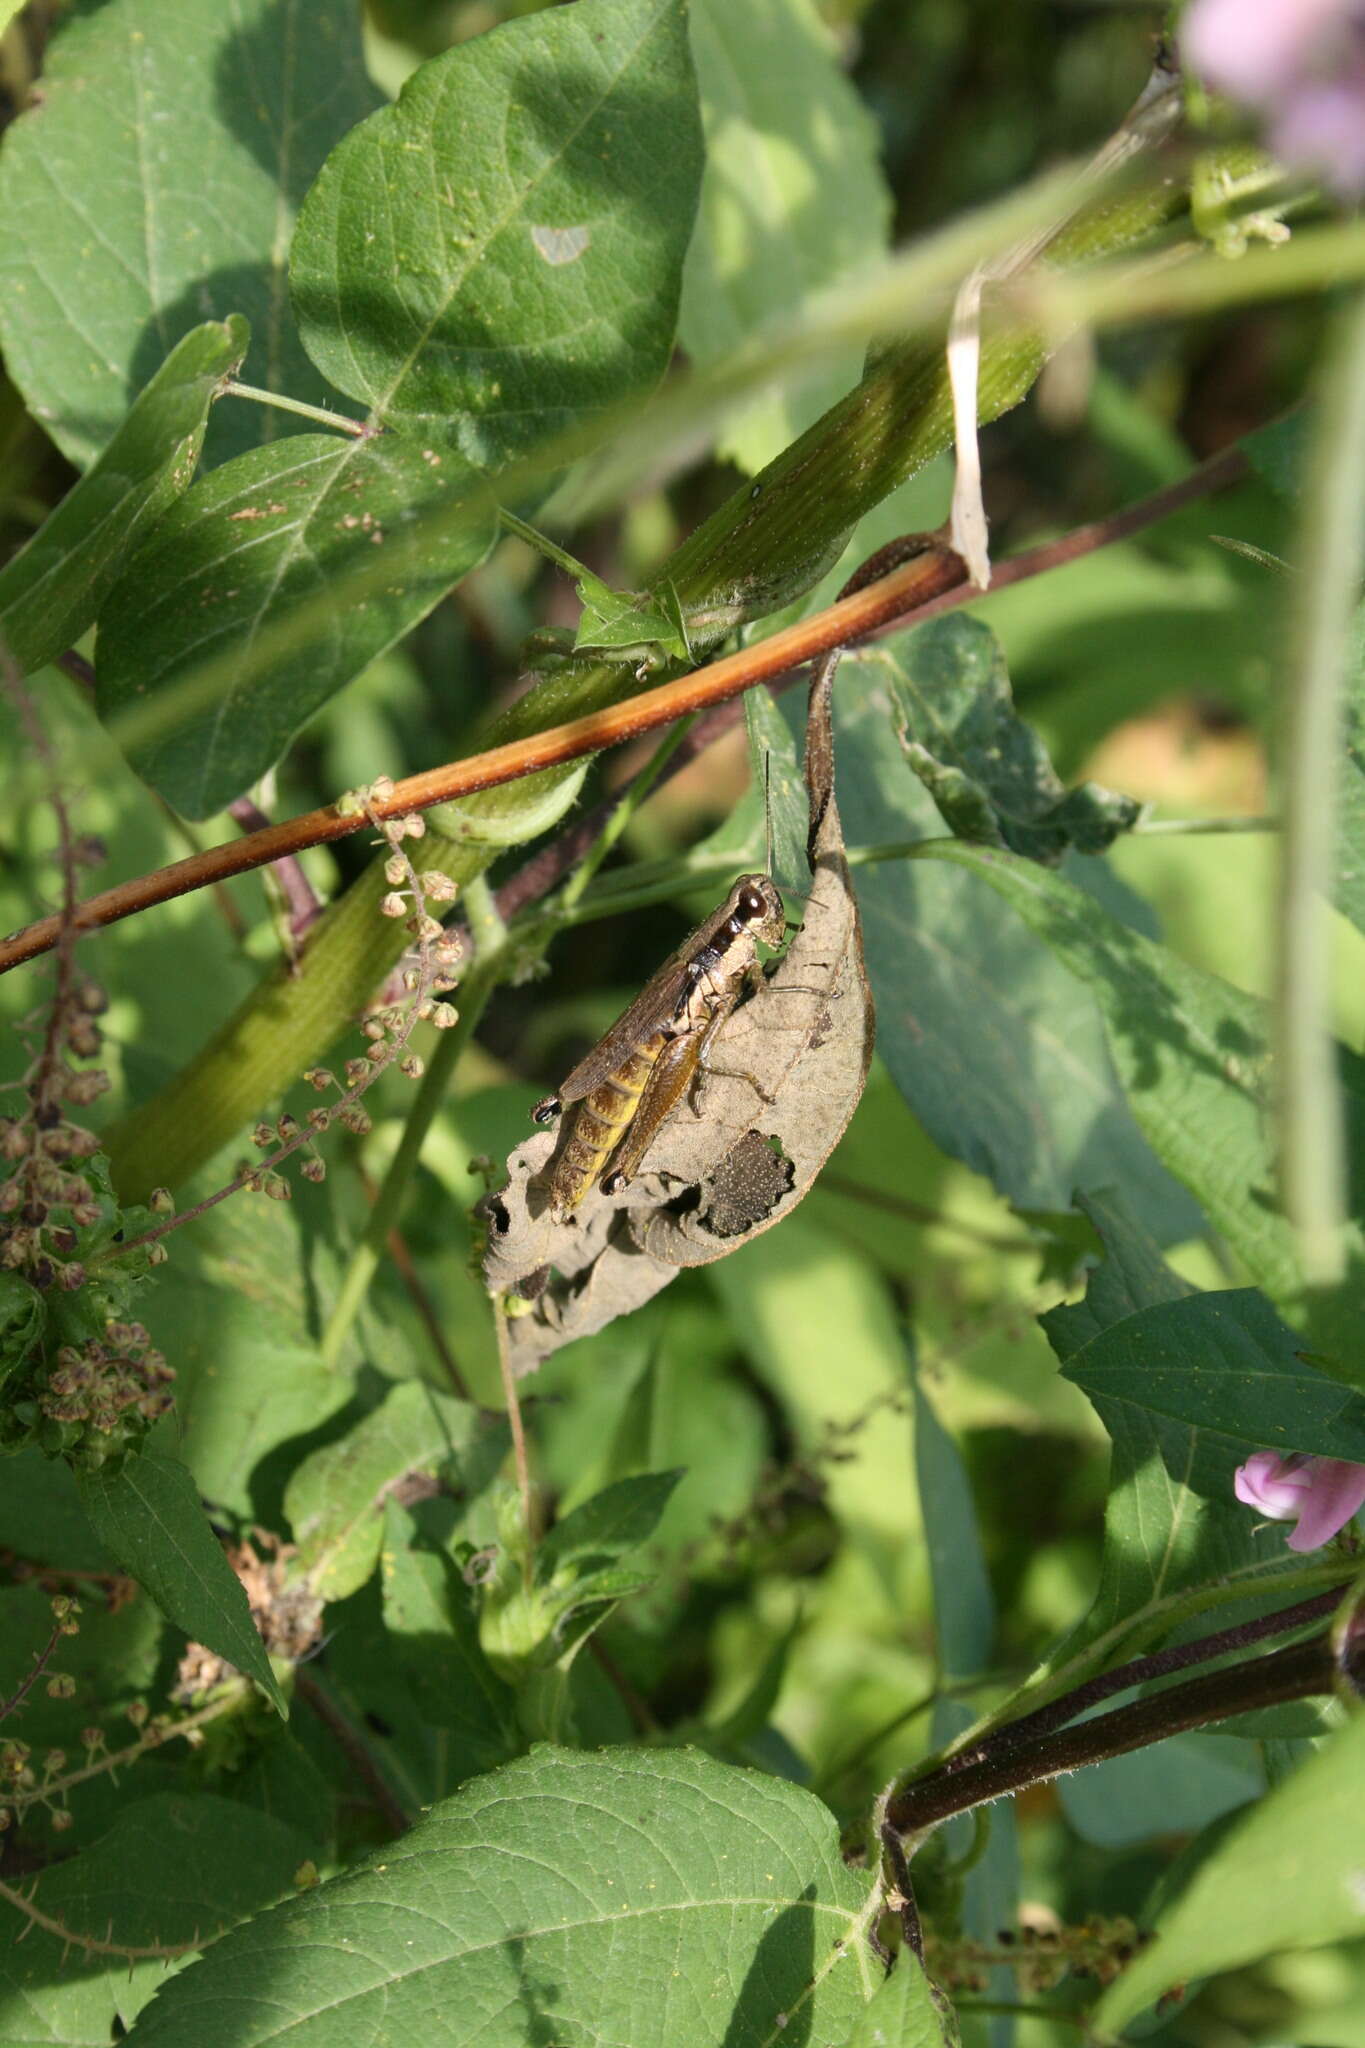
{"x": 486, "y": 926}
{"x": 235, "y": 389}
{"x": 572, "y": 892}
{"x": 365, "y": 1259}
{"x": 1332, "y": 553}
{"x": 648, "y": 882}
{"x": 520, "y": 1455}
{"x": 768, "y": 543}
{"x": 235, "y": 1697}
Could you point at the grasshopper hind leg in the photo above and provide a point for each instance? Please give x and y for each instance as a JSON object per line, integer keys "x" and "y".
{"x": 668, "y": 1080}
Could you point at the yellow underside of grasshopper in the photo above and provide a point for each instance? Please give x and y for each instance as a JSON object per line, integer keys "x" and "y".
{"x": 600, "y": 1121}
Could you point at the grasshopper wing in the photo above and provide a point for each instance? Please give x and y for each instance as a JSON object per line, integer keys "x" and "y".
{"x": 654, "y": 1007}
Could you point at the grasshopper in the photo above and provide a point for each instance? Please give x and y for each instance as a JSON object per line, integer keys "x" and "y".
{"x": 634, "y": 1076}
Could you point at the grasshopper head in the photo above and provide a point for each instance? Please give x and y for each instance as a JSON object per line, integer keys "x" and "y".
{"x": 755, "y": 901}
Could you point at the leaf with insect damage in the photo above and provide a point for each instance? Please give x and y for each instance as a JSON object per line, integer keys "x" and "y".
{"x": 986, "y": 770}
{"x": 785, "y": 1076}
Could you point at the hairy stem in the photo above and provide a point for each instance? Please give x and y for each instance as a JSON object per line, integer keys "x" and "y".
{"x": 1299, "y": 1672}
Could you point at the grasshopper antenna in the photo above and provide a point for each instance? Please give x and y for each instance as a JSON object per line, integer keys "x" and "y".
{"x": 767, "y": 811}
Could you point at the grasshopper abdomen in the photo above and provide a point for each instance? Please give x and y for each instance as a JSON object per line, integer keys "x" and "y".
{"x": 630, "y": 1083}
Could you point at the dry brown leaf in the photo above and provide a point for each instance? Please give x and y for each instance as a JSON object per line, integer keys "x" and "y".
{"x": 785, "y": 1077}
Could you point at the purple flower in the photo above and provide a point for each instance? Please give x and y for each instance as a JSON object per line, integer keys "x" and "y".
{"x": 1302, "y": 64}
{"x": 1320, "y": 1494}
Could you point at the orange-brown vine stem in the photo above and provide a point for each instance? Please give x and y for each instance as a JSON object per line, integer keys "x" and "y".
{"x": 929, "y": 583}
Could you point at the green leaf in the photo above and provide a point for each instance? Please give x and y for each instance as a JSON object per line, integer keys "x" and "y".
{"x": 1170, "y": 1788}
{"x": 22, "y": 1316}
{"x": 1170, "y": 1519}
{"x": 964, "y": 1609}
{"x": 172, "y": 1870}
{"x": 999, "y": 1054}
{"x": 1226, "y": 1365}
{"x": 629, "y": 1896}
{"x": 237, "y": 1309}
{"x": 822, "y": 1335}
{"x": 336, "y": 1497}
{"x": 245, "y": 1383}
{"x": 1287, "y": 1877}
{"x": 610, "y": 618}
{"x": 152, "y": 186}
{"x": 147, "y": 1515}
{"x": 750, "y": 1715}
{"x": 605, "y": 1528}
{"x": 775, "y": 776}
{"x": 793, "y": 199}
{"x": 579, "y": 1577}
{"x": 51, "y": 591}
{"x": 231, "y": 561}
{"x": 987, "y": 771}
{"x": 620, "y": 619}
{"x": 907, "y": 2011}
{"x": 497, "y": 257}
{"x": 429, "y": 1611}
{"x": 1192, "y": 1054}
{"x": 1277, "y": 451}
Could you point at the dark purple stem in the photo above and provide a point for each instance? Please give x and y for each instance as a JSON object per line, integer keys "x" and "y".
{"x": 1295, "y": 1673}
{"x": 301, "y": 900}
{"x": 1140, "y": 1671}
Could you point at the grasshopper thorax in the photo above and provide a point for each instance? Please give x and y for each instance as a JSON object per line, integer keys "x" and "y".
{"x": 756, "y": 906}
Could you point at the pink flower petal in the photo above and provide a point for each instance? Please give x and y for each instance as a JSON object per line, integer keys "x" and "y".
{"x": 1321, "y": 126}
{"x": 1255, "y": 49}
{"x": 1272, "y": 1484}
{"x": 1335, "y": 1494}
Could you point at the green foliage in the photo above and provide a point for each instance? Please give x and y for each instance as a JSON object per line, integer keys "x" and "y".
{"x": 789, "y": 204}
{"x": 904, "y": 2012}
{"x": 610, "y": 618}
{"x": 1350, "y": 894}
{"x": 53, "y": 588}
{"x": 1308, "y": 1832}
{"x": 120, "y": 248}
{"x": 503, "y": 301}
{"x": 335, "y": 1498}
{"x": 996, "y": 1047}
{"x": 986, "y": 770}
{"x": 533, "y": 1623}
{"x": 670, "y": 1868}
{"x": 431, "y": 1614}
{"x": 1192, "y": 1054}
{"x": 1169, "y": 1521}
{"x": 21, "y": 1322}
{"x": 1225, "y": 1364}
{"x": 204, "y": 1863}
{"x": 147, "y": 1515}
{"x": 234, "y": 558}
